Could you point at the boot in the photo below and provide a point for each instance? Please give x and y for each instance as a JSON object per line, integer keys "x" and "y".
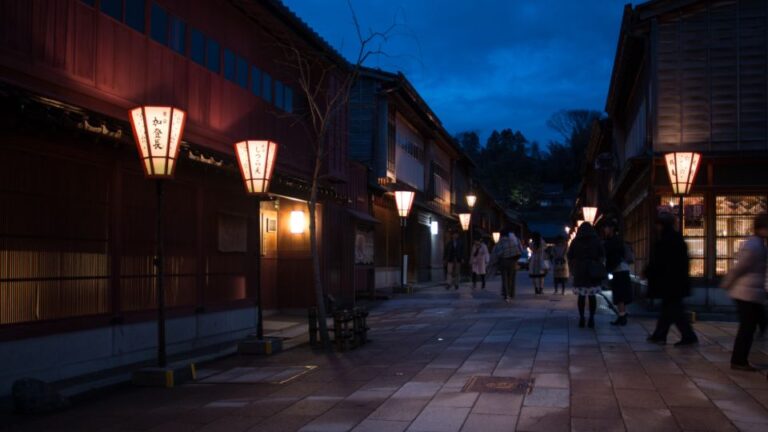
{"x": 591, "y": 322}
{"x": 581, "y": 322}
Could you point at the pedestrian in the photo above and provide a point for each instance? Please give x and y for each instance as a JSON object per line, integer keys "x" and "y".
{"x": 505, "y": 255}
{"x": 585, "y": 261}
{"x": 746, "y": 284}
{"x": 560, "y": 264}
{"x": 453, "y": 255}
{"x": 617, "y": 262}
{"x": 668, "y": 279}
{"x": 537, "y": 267}
{"x": 479, "y": 258}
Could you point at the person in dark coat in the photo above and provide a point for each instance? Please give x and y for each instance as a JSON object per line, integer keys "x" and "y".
{"x": 618, "y": 267}
{"x": 585, "y": 258}
{"x": 668, "y": 280}
{"x": 453, "y": 255}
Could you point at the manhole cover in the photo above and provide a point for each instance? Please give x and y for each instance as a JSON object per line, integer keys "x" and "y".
{"x": 488, "y": 384}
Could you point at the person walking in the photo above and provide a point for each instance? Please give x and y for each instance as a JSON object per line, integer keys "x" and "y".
{"x": 560, "y": 264}
{"x": 746, "y": 284}
{"x": 453, "y": 255}
{"x": 617, "y": 264}
{"x": 585, "y": 261}
{"x": 505, "y": 255}
{"x": 537, "y": 268}
{"x": 668, "y": 279}
{"x": 479, "y": 258}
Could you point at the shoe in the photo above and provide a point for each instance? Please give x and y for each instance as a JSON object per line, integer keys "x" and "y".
{"x": 686, "y": 342}
{"x": 745, "y": 367}
{"x": 656, "y": 340}
{"x": 581, "y": 322}
{"x": 621, "y": 320}
{"x": 591, "y": 322}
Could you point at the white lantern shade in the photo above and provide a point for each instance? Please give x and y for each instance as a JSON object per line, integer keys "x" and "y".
{"x": 404, "y": 201}
{"x": 464, "y": 219}
{"x": 157, "y": 131}
{"x": 589, "y": 214}
{"x": 256, "y": 159}
{"x": 471, "y": 200}
{"x": 433, "y": 228}
{"x": 682, "y": 168}
{"x": 297, "y": 222}
{"x": 496, "y": 236}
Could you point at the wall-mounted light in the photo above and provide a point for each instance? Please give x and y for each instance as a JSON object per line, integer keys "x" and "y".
{"x": 433, "y": 227}
{"x": 496, "y": 236}
{"x": 297, "y": 222}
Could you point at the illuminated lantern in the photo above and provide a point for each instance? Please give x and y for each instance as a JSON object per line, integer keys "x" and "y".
{"x": 496, "y": 236}
{"x": 464, "y": 220}
{"x": 682, "y": 168}
{"x": 256, "y": 159}
{"x": 471, "y": 200}
{"x": 404, "y": 200}
{"x": 297, "y": 222}
{"x": 157, "y": 131}
{"x": 589, "y": 214}
{"x": 433, "y": 227}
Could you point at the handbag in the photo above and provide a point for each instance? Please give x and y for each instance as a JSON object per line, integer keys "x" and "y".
{"x": 596, "y": 270}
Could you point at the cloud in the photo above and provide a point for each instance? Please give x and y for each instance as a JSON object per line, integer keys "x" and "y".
{"x": 487, "y": 64}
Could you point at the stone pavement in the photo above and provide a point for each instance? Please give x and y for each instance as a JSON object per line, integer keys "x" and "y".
{"x": 425, "y": 347}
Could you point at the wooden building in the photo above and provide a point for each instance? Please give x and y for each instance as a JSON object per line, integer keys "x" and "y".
{"x": 77, "y": 216}
{"x": 692, "y": 75}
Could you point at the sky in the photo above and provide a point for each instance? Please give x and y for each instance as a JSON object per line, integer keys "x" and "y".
{"x": 485, "y": 64}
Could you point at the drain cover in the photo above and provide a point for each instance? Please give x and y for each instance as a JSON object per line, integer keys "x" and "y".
{"x": 488, "y": 384}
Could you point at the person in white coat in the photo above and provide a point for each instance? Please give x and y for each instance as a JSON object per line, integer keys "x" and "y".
{"x": 479, "y": 258}
{"x": 746, "y": 284}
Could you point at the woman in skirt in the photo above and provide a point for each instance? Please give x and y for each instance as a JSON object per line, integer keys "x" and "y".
{"x": 536, "y": 264}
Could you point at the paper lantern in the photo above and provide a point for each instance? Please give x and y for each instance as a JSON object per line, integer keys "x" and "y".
{"x": 157, "y": 131}
{"x": 589, "y": 214}
{"x": 496, "y": 236}
{"x": 404, "y": 200}
{"x": 471, "y": 200}
{"x": 256, "y": 159}
{"x": 464, "y": 219}
{"x": 682, "y": 168}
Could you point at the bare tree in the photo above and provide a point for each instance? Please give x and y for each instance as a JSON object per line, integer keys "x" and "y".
{"x": 570, "y": 122}
{"x": 324, "y": 85}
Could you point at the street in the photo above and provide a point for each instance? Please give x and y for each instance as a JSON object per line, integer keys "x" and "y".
{"x": 425, "y": 347}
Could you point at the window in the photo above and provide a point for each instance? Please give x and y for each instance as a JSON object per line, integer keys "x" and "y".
{"x": 278, "y": 94}
{"x": 178, "y": 37}
{"x": 734, "y": 218}
{"x": 159, "y": 24}
{"x": 288, "y": 105}
{"x": 266, "y": 88}
{"x": 255, "y": 81}
{"x": 113, "y": 8}
{"x": 229, "y": 64}
{"x": 212, "y": 60}
{"x": 197, "y": 46}
{"x": 694, "y": 228}
{"x": 241, "y": 72}
{"x": 134, "y": 14}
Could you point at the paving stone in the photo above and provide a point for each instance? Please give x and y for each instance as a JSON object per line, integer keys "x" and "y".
{"x": 594, "y": 406}
{"x": 404, "y": 409}
{"x": 648, "y": 399}
{"x": 554, "y": 380}
{"x": 702, "y": 419}
{"x": 548, "y": 397}
{"x": 597, "y": 425}
{"x": 489, "y": 423}
{"x": 644, "y": 420}
{"x": 381, "y": 426}
{"x": 439, "y": 419}
{"x": 542, "y": 419}
{"x": 498, "y": 403}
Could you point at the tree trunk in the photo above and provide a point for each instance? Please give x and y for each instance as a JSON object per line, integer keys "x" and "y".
{"x": 319, "y": 291}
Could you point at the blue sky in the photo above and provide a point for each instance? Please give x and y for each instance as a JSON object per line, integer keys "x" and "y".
{"x": 486, "y": 64}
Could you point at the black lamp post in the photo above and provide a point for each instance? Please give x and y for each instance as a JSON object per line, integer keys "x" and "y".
{"x": 404, "y": 201}
{"x": 157, "y": 131}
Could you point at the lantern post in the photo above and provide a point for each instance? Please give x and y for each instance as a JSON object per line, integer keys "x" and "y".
{"x": 682, "y": 168}
{"x": 157, "y": 131}
{"x": 256, "y": 159}
{"x": 496, "y": 236}
{"x": 404, "y": 201}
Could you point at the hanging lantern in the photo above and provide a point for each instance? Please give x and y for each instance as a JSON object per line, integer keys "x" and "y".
{"x": 589, "y": 214}
{"x": 404, "y": 200}
{"x": 464, "y": 220}
{"x": 257, "y": 162}
{"x": 471, "y": 200}
{"x": 496, "y": 236}
{"x": 682, "y": 168}
{"x": 157, "y": 131}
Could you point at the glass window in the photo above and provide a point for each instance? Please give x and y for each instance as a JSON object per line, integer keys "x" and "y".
{"x": 255, "y": 81}
{"x": 694, "y": 228}
{"x": 159, "y": 24}
{"x": 197, "y": 46}
{"x": 212, "y": 59}
{"x": 278, "y": 94}
{"x": 229, "y": 64}
{"x": 266, "y": 87}
{"x": 734, "y": 218}
{"x": 288, "y": 104}
{"x": 113, "y": 8}
{"x": 241, "y": 72}
{"x": 134, "y": 14}
{"x": 178, "y": 38}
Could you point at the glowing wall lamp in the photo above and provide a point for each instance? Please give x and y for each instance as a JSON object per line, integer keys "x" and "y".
{"x": 297, "y": 222}
{"x": 256, "y": 159}
{"x": 433, "y": 228}
{"x": 404, "y": 201}
{"x": 464, "y": 219}
{"x": 589, "y": 214}
{"x": 496, "y": 236}
{"x": 157, "y": 131}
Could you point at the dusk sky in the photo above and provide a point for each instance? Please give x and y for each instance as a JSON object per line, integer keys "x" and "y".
{"x": 486, "y": 64}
